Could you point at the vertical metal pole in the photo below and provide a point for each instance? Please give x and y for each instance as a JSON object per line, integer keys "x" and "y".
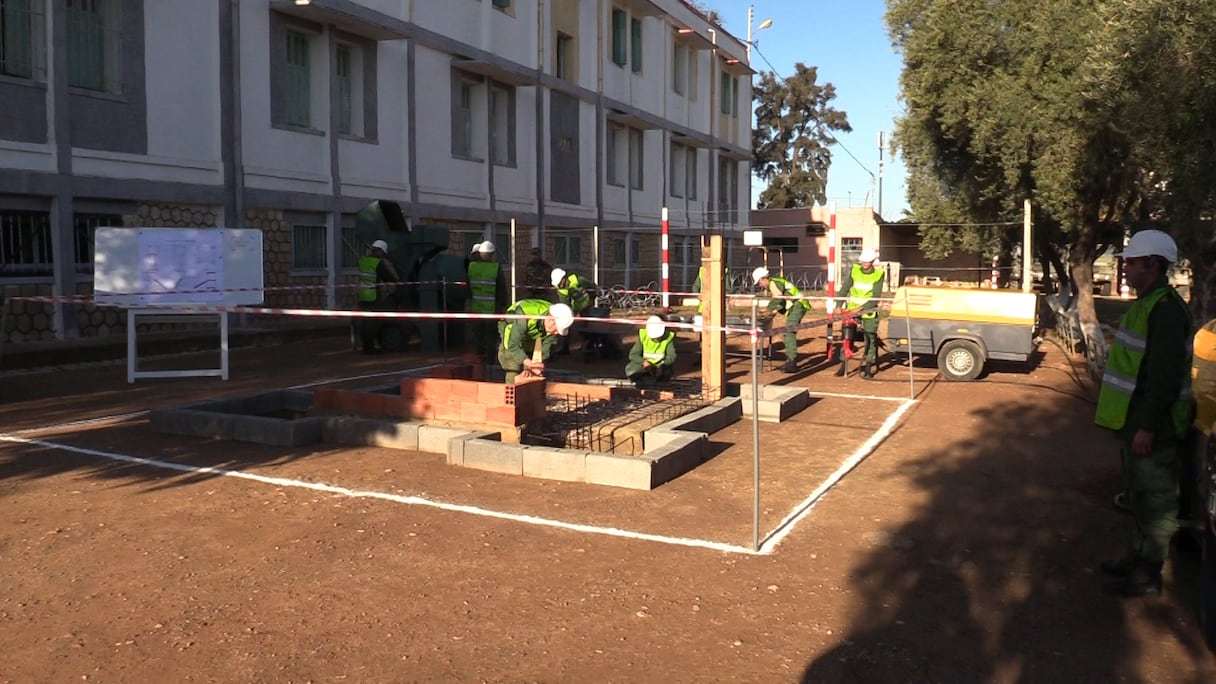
{"x": 514, "y": 263}
{"x": 1027, "y": 252}
{"x": 755, "y": 424}
{"x": 442, "y": 322}
{"x": 831, "y": 303}
{"x": 595, "y": 255}
{"x": 665, "y": 271}
{"x": 908, "y": 328}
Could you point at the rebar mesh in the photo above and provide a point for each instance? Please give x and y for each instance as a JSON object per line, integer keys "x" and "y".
{"x": 576, "y": 421}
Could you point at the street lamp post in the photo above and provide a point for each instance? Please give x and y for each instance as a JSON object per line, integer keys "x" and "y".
{"x": 751, "y": 16}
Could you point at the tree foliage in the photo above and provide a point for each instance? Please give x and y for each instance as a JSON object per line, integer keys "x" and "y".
{"x": 794, "y": 129}
{"x": 1093, "y": 109}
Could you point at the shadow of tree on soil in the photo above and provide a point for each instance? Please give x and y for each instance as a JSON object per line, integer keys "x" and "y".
{"x": 995, "y": 577}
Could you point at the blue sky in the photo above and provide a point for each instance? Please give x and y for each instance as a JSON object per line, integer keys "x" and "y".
{"x": 848, "y": 43}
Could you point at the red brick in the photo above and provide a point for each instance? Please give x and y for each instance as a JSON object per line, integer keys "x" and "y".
{"x": 473, "y": 412}
{"x": 501, "y": 415}
{"x": 397, "y": 406}
{"x": 346, "y": 401}
{"x": 573, "y": 388}
{"x": 371, "y": 403}
{"x": 447, "y": 410}
{"x": 421, "y": 408}
{"x": 491, "y": 394}
{"x": 325, "y": 398}
{"x": 464, "y": 390}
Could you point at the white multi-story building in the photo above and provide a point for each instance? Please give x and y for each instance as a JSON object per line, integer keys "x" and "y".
{"x": 291, "y": 115}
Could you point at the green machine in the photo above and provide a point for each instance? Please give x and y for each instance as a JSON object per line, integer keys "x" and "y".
{"x": 437, "y": 279}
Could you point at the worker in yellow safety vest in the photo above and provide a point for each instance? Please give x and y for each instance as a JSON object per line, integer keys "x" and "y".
{"x": 654, "y": 354}
{"x": 575, "y": 291}
{"x": 785, "y": 298}
{"x": 487, "y": 295}
{"x": 526, "y": 344}
{"x": 375, "y": 270}
{"x": 863, "y": 285}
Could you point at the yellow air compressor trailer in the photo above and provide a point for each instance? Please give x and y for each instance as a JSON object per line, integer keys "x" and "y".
{"x": 963, "y": 327}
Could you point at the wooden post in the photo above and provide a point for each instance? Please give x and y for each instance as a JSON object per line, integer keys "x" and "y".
{"x": 713, "y": 340}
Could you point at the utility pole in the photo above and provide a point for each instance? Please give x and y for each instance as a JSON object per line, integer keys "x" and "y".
{"x": 751, "y": 13}
{"x": 880, "y": 140}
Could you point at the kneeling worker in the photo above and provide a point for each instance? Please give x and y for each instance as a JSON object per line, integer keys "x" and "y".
{"x": 525, "y": 344}
{"x": 654, "y": 354}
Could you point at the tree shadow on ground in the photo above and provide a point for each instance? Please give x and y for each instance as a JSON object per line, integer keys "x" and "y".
{"x": 995, "y": 578}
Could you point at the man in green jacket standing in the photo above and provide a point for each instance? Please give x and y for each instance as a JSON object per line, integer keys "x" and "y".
{"x": 654, "y": 354}
{"x": 526, "y": 344}
{"x": 487, "y": 295}
{"x": 375, "y": 269}
{"x": 863, "y": 285}
{"x": 1146, "y": 400}
{"x": 785, "y": 298}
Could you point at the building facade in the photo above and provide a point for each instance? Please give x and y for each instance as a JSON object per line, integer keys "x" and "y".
{"x": 556, "y": 116}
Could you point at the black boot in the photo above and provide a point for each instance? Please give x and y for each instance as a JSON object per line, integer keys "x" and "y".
{"x": 791, "y": 366}
{"x": 866, "y": 372}
{"x": 1143, "y": 579}
{"x": 843, "y": 369}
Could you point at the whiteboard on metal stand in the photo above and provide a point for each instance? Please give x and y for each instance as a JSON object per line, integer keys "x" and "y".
{"x": 169, "y": 271}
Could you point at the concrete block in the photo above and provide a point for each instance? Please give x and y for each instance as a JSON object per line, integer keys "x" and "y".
{"x": 659, "y": 437}
{"x": 456, "y": 445}
{"x": 555, "y": 464}
{"x": 434, "y": 438}
{"x": 619, "y": 471}
{"x": 494, "y": 457}
{"x": 297, "y": 400}
{"x": 776, "y": 403}
{"x": 261, "y": 430}
{"x": 677, "y": 457}
{"x": 369, "y": 432}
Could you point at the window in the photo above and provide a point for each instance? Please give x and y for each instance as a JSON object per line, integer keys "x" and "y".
{"x": 635, "y": 250}
{"x": 351, "y": 249}
{"x": 730, "y": 94}
{"x": 567, "y": 250}
{"x": 635, "y": 44}
{"x": 683, "y": 181}
{"x": 299, "y": 80}
{"x": 344, "y": 80}
{"x": 25, "y": 243}
{"x": 679, "y": 68}
{"x": 502, "y": 4}
{"x": 617, "y": 154}
{"x": 618, "y": 37}
{"x": 635, "y": 158}
{"x": 84, "y": 229}
{"x": 850, "y": 250}
{"x": 618, "y": 252}
{"x": 468, "y": 99}
{"x": 728, "y": 190}
{"x": 21, "y": 39}
{"x": 94, "y": 45}
{"x": 563, "y": 57}
{"x": 308, "y": 246}
{"x": 502, "y": 241}
{"x": 502, "y": 124}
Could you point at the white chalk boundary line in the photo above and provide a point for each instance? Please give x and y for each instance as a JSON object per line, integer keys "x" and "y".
{"x": 767, "y": 547}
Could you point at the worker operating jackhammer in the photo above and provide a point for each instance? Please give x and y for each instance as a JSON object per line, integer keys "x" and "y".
{"x": 864, "y": 284}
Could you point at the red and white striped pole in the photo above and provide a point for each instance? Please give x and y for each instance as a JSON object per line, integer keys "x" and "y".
{"x": 996, "y": 271}
{"x": 1125, "y": 292}
{"x": 831, "y": 304}
{"x": 666, "y": 264}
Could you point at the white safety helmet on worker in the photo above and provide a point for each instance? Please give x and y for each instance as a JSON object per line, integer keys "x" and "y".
{"x": 563, "y": 317}
{"x": 868, "y": 256}
{"x": 655, "y": 328}
{"x": 1151, "y": 243}
{"x": 759, "y": 274}
{"x": 556, "y": 276}
{"x": 380, "y": 245}
{"x": 476, "y": 248}
{"x": 486, "y": 247}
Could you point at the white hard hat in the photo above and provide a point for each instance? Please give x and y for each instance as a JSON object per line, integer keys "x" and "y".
{"x": 381, "y": 245}
{"x": 867, "y": 256}
{"x": 1151, "y": 243}
{"x": 655, "y": 327}
{"x": 486, "y": 247}
{"x": 556, "y": 276}
{"x": 563, "y": 316}
{"x": 476, "y": 248}
{"x": 760, "y": 272}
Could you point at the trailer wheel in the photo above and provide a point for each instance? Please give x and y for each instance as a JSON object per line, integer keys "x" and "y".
{"x": 960, "y": 360}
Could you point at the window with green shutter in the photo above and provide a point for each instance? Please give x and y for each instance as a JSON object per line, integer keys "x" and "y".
{"x": 619, "y": 51}
{"x": 344, "y": 77}
{"x": 86, "y": 38}
{"x": 635, "y": 44}
{"x": 502, "y": 4}
{"x": 17, "y": 38}
{"x": 308, "y": 246}
{"x": 299, "y": 78}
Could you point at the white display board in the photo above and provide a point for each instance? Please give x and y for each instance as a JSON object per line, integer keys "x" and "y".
{"x": 166, "y": 266}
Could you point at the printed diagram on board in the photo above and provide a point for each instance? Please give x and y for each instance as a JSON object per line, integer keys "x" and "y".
{"x": 181, "y": 268}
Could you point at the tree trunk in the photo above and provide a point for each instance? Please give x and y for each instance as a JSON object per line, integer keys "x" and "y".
{"x": 1081, "y": 262}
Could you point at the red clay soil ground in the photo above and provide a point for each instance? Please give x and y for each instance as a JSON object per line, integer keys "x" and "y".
{"x": 963, "y": 549}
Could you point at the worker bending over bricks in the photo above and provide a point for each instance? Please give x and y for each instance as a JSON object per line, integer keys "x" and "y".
{"x": 653, "y": 356}
{"x": 526, "y": 344}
